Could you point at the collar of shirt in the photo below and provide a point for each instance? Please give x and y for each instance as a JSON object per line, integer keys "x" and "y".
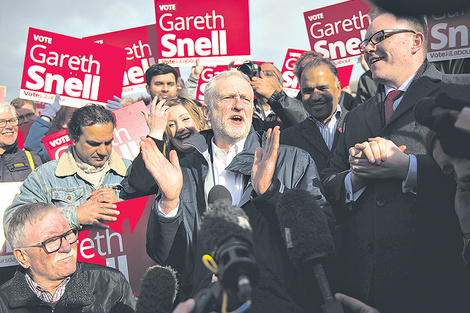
{"x": 328, "y": 129}
{"x": 404, "y": 87}
{"x": 221, "y": 159}
{"x": 45, "y": 295}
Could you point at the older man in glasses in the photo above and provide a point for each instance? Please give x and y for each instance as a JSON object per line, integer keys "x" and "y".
{"x": 400, "y": 244}
{"x": 49, "y": 278}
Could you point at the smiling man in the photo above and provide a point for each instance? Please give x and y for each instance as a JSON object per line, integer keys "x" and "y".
{"x": 318, "y": 134}
{"x": 161, "y": 81}
{"x": 86, "y": 181}
{"x": 49, "y": 277}
{"x": 254, "y": 168}
{"x": 387, "y": 193}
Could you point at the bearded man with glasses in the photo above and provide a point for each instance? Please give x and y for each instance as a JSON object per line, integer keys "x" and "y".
{"x": 49, "y": 277}
{"x": 400, "y": 237}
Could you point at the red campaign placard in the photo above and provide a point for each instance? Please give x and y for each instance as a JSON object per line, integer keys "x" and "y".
{"x": 130, "y": 126}
{"x": 56, "y": 143}
{"x": 80, "y": 70}
{"x": 336, "y": 30}
{"x": 122, "y": 245}
{"x": 291, "y": 84}
{"x": 3, "y": 93}
{"x": 206, "y": 75}
{"x": 216, "y": 31}
{"x": 140, "y": 44}
{"x": 448, "y": 36}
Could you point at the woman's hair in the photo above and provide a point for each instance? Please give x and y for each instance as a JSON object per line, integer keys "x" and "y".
{"x": 194, "y": 111}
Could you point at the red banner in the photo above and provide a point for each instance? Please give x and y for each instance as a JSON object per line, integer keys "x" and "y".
{"x": 291, "y": 84}
{"x": 56, "y": 143}
{"x": 122, "y": 245}
{"x": 79, "y": 70}
{"x": 140, "y": 44}
{"x": 448, "y": 36}
{"x": 216, "y": 31}
{"x": 337, "y": 30}
{"x": 3, "y": 93}
{"x": 207, "y": 73}
{"x": 130, "y": 126}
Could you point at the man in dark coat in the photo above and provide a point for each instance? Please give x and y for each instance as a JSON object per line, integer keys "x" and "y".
{"x": 400, "y": 235}
{"x": 318, "y": 134}
{"x": 255, "y": 171}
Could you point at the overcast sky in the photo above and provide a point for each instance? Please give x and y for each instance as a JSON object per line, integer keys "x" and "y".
{"x": 276, "y": 25}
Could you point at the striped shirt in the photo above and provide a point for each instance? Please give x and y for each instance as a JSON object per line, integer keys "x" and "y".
{"x": 45, "y": 295}
{"x": 328, "y": 129}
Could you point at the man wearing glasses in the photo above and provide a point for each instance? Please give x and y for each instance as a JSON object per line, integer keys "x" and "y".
{"x": 400, "y": 246}
{"x": 49, "y": 277}
{"x": 15, "y": 164}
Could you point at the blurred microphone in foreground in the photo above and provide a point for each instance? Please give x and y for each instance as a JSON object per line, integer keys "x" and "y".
{"x": 450, "y": 119}
{"x": 158, "y": 290}
{"x": 226, "y": 234}
{"x": 308, "y": 239}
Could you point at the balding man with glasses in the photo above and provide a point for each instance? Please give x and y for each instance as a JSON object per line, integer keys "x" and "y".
{"x": 400, "y": 240}
{"x": 49, "y": 277}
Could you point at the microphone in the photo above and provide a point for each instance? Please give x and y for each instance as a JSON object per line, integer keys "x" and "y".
{"x": 219, "y": 193}
{"x": 308, "y": 238}
{"x": 158, "y": 290}
{"x": 226, "y": 234}
{"x": 448, "y": 118}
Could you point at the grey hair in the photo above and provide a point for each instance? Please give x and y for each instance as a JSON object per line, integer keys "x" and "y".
{"x": 27, "y": 213}
{"x": 6, "y": 107}
{"x": 211, "y": 92}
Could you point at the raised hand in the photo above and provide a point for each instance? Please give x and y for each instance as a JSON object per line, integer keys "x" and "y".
{"x": 265, "y": 162}
{"x": 167, "y": 173}
{"x": 157, "y": 119}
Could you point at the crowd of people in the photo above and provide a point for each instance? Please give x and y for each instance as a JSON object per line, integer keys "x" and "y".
{"x": 383, "y": 185}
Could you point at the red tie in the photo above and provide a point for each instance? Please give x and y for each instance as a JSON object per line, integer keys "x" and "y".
{"x": 388, "y": 104}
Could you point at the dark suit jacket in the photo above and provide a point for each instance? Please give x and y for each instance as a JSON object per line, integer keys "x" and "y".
{"x": 399, "y": 251}
{"x": 307, "y": 136}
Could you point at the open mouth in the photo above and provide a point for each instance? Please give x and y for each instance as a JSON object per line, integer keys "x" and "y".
{"x": 184, "y": 136}
{"x": 237, "y": 118}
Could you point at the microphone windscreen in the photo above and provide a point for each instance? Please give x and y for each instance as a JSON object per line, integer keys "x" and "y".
{"x": 304, "y": 227}
{"x": 158, "y": 290}
{"x": 219, "y": 193}
{"x": 223, "y": 221}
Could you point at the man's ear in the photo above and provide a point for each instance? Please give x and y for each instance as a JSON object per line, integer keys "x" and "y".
{"x": 418, "y": 42}
{"x": 22, "y": 258}
{"x": 147, "y": 87}
{"x": 205, "y": 112}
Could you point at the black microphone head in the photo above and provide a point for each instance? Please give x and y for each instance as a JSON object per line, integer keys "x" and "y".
{"x": 219, "y": 193}
{"x": 158, "y": 290}
{"x": 223, "y": 221}
{"x": 304, "y": 227}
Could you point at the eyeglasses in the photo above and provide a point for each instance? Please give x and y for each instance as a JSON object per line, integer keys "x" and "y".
{"x": 53, "y": 244}
{"x": 380, "y": 36}
{"x": 13, "y": 122}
